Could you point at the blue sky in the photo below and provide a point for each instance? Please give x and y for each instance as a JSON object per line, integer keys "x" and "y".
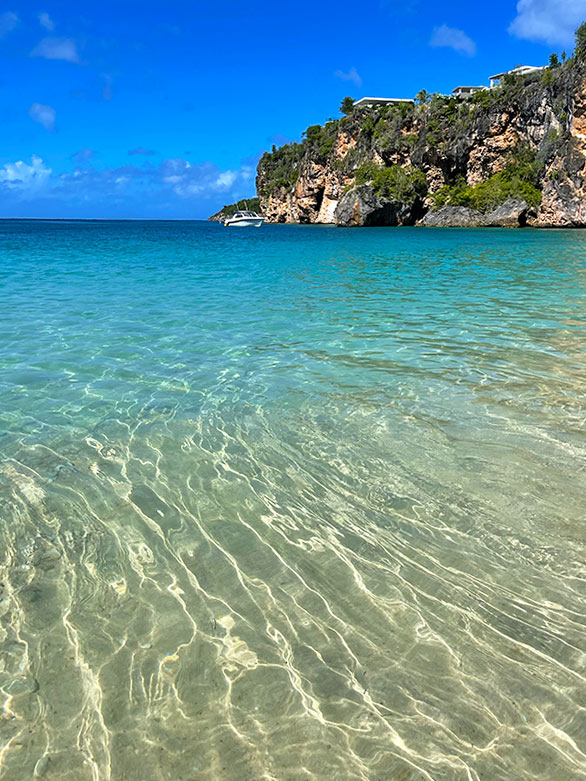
{"x": 161, "y": 110}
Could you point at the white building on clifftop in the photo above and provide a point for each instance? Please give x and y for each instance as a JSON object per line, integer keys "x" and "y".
{"x": 466, "y": 92}
{"x": 363, "y": 102}
{"x": 521, "y": 70}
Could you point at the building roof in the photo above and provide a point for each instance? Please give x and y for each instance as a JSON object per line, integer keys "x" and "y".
{"x": 473, "y": 88}
{"x": 520, "y": 69}
{"x": 366, "y": 101}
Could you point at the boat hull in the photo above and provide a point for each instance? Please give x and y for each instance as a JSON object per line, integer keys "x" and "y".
{"x": 246, "y": 223}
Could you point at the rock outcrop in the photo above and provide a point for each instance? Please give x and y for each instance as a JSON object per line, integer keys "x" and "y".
{"x": 513, "y": 213}
{"x": 454, "y": 217}
{"x": 536, "y": 123}
{"x": 361, "y": 206}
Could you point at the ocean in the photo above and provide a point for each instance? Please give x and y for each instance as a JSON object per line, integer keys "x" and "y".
{"x": 294, "y": 502}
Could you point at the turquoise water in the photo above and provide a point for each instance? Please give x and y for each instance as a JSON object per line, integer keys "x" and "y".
{"x": 292, "y": 503}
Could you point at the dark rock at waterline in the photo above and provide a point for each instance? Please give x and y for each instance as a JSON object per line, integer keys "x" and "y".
{"x": 361, "y": 206}
{"x": 454, "y": 217}
{"x": 513, "y": 213}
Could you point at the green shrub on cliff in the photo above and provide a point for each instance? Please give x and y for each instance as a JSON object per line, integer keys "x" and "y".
{"x": 407, "y": 141}
{"x": 457, "y": 194}
{"x": 487, "y": 195}
{"x": 347, "y": 105}
{"x": 322, "y": 138}
{"x": 366, "y": 172}
{"x": 395, "y": 183}
{"x": 518, "y": 179}
{"x": 486, "y": 97}
{"x": 368, "y": 124}
{"x": 400, "y": 184}
{"x": 280, "y": 167}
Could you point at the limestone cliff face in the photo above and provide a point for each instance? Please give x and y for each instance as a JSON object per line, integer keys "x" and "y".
{"x": 312, "y": 199}
{"x": 450, "y": 141}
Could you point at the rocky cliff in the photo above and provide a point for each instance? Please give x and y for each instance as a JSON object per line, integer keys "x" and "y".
{"x": 524, "y": 140}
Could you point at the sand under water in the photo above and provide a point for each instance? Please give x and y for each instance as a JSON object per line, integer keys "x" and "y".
{"x": 291, "y": 503}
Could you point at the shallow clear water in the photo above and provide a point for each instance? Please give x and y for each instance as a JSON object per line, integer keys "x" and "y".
{"x": 292, "y": 503}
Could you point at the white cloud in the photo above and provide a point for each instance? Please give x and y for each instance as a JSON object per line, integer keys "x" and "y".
{"x": 351, "y": 75}
{"x": 226, "y": 179}
{"x": 23, "y": 176}
{"x": 453, "y": 39}
{"x": 56, "y": 49}
{"x": 45, "y": 115}
{"x": 549, "y": 21}
{"x": 46, "y": 21}
{"x": 8, "y": 22}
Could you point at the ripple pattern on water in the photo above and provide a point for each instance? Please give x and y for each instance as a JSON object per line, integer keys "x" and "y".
{"x": 294, "y": 503}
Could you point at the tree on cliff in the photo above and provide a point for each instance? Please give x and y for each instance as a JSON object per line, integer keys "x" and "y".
{"x": 580, "y": 50}
{"x": 347, "y": 105}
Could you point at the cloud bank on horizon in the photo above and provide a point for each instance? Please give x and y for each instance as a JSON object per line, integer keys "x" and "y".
{"x": 172, "y": 185}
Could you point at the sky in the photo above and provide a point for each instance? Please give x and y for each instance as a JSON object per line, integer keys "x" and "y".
{"x": 161, "y": 110}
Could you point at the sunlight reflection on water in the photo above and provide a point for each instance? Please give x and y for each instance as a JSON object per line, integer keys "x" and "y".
{"x": 298, "y": 503}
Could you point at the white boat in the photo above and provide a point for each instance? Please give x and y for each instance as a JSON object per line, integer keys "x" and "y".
{"x": 244, "y": 219}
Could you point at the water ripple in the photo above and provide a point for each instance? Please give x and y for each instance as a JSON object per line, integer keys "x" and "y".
{"x": 299, "y": 503}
